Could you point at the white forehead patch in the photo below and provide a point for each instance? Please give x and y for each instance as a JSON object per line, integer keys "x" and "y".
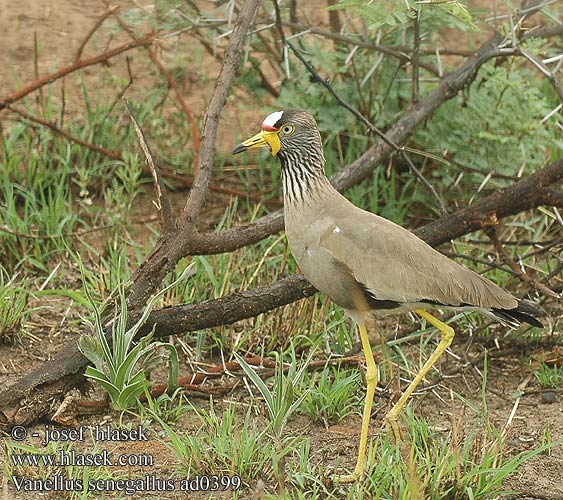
{"x": 271, "y": 120}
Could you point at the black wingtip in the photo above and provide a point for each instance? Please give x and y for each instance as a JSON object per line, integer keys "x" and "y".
{"x": 524, "y": 313}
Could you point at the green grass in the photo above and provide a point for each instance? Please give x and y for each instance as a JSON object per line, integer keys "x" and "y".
{"x": 73, "y": 227}
{"x": 548, "y": 377}
{"x": 332, "y": 394}
{"x": 224, "y": 444}
{"x": 14, "y": 306}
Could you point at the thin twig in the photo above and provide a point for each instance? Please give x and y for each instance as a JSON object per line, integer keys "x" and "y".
{"x": 51, "y": 77}
{"x": 99, "y": 22}
{"x": 172, "y": 85}
{"x": 544, "y": 70}
{"x": 185, "y": 180}
{"x": 115, "y": 155}
{"x": 40, "y": 98}
{"x": 416, "y": 54}
{"x": 124, "y": 89}
{"x": 73, "y": 234}
{"x": 63, "y": 104}
{"x": 371, "y": 127}
{"x": 544, "y": 32}
{"x": 167, "y": 223}
{"x": 401, "y": 53}
{"x": 279, "y": 26}
{"x": 491, "y": 228}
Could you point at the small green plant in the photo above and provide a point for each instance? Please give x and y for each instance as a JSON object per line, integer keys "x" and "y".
{"x": 280, "y": 401}
{"x": 548, "y": 377}
{"x": 332, "y": 396}
{"x": 118, "y": 367}
{"x": 14, "y": 308}
{"x": 547, "y": 438}
{"x": 168, "y": 407}
{"x": 222, "y": 445}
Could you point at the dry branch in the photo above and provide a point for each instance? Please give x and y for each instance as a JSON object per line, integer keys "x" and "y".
{"x": 110, "y": 10}
{"x": 172, "y": 246}
{"x": 193, "y": 382}
{"x": 90, "y": 61}
{"x": 29, "y": 398}
{"x": 172, "y": 85}
{"x": 167, "y": 222}
{"x": 114, "y": 155}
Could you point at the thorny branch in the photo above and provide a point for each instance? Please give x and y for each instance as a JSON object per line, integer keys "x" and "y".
{"x": 372, "y": 128}
{"x": 401, "y": 53}
{"x": 30, "y": 397}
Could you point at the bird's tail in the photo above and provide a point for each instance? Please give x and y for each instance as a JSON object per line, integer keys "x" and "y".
{"x": 524, "y": 313}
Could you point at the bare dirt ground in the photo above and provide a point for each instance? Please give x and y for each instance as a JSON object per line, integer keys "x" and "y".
{"x": 59, "y": 26}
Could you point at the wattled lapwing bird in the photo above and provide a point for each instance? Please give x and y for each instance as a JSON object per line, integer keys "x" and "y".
{"x": 365, "y": 263}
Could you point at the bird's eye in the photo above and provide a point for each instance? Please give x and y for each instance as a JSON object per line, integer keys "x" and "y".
{"x": 288, "y": 129}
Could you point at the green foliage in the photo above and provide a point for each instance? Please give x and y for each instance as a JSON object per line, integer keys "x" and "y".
{"x": 38, "y": 214}
{"x": 472, "y": 467}
{"x": 388, "y": 14}
{"x": 332, "y": 395}
{"x": 280, "y": 401}
{"x": 124, "y": 187}
{"x": 115, "y": 364}
{"x": 14, "y": 308}
{"x": 222, "y": 445}
{"x": 497, "y": 127}
{"x": 548, "y": 377}
{"x": 169, "y": 408}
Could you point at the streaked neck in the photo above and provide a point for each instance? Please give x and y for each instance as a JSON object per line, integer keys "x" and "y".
{"x": 303, "y": 175}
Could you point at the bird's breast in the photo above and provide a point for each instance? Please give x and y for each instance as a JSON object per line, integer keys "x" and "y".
{"x": 318, "y": 264}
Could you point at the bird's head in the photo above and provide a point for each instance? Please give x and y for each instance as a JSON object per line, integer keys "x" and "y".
{"x": 285, "y": 132}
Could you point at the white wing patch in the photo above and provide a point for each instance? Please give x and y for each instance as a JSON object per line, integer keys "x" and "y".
{"x": 272, "y": 119}
{"x": 336, "y": 230}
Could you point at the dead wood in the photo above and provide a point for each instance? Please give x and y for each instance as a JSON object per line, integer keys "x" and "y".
{"x": 82, "y": 63}
{"x": 174, "y": 246}
{"x": 162, "y": 203}
{"x": 31, "y": 397}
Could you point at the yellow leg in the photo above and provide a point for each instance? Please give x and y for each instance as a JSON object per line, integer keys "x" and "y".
{"x": 371, "y": 380}
{"x": 445, "y": 341}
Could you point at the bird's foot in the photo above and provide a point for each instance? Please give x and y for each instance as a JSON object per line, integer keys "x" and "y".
{"x": 347, "y": 478}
